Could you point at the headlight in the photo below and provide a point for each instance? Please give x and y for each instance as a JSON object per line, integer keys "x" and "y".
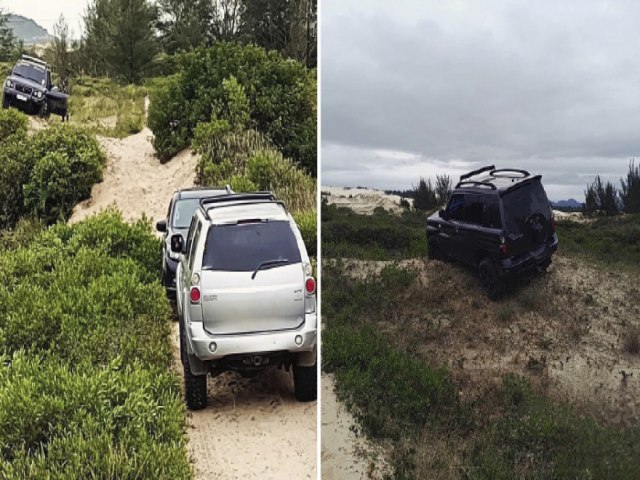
{"x": 9, "y": 83}
{"x": 38, "y": 94}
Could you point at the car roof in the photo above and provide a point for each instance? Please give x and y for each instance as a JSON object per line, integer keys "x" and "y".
{"x": 199, "y": 192}
{"x": 495, "y": 181}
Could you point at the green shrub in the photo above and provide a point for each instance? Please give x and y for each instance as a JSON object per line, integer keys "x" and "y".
{"x": 12, "y": 122}
{"x": 85, "y": 388}
{"x": 307, "y": 221}
{"x": 16, "y": 162}
{"x": 68, "y": 163}
{"x": 280, "y": 96}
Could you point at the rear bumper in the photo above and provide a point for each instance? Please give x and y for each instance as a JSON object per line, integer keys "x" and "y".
{"x": 199, "y": 341}
{"x": 542, "y": 256}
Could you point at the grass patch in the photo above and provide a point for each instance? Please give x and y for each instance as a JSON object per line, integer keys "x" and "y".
{"x": 380, "y": 236}
{"x": 106, "y": 107}
{"x": 606, "y": 240}
{"x": 508, "y": 431}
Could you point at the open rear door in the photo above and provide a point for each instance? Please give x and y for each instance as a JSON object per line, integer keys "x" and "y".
{"x": 57, "y": 103}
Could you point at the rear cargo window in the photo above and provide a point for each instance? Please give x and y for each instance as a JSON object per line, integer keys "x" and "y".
{"x": 242, "y": 247}
{"x": 523, "y": 202}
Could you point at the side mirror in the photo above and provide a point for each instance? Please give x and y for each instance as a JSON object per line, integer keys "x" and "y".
{"x": 177, "y": 243}
{"x": 54, "y": 88}
{"x": 161, "y": 225}
{"x": 442, "y": 214}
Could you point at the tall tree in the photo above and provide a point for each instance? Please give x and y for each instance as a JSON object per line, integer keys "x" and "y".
{"x": 630, "y": 189}
{"x": 227, "y": 19}
{"x": 289, "y": 26}
{"x": 185, "y": 24}
{"x": 7, "y": 39}
{"x": 424, "y": 195}
{"x": 120, "y": 36}
{"x": 443, "y": 187}
{"x": 60, "y": 59}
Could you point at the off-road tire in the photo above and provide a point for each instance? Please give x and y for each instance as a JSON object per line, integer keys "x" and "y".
{"x": 195, "y": 386}
{"x": 305, "y": 383}
{"x": 491, "y": 283}
{"x": 6, "y": 103}
{"x": 43, "y": 111}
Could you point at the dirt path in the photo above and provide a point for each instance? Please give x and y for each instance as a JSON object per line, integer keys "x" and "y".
{"x": 345, "y": 455}
{"x": 252, "y": 428}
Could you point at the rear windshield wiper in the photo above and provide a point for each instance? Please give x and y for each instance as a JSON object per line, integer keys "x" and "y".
{"x": 275, "y": 261}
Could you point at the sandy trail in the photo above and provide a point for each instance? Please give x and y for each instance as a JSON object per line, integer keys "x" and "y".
{"x": 252, "y": 428}
{"x": 362, "y": 200}
{"x": 345, "y": 455}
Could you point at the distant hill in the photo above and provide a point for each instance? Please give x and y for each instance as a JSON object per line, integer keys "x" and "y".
{"x": 27, "y": 30}
{"x": 568, "y": 205}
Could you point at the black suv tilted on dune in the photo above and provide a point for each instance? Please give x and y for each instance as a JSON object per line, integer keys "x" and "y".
{"x": 497, "y": 220}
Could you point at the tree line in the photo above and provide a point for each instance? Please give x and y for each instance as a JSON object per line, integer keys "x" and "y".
{"x": 133, "y": 39}
{"x": 607, "y": 199}
{"x": 426, "y": 195}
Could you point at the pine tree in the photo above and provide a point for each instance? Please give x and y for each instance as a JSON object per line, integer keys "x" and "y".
{"x": 630, "y": 189}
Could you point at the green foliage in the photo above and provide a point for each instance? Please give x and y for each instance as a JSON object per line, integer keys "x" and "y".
{"x": 12, "y": 122}
{"x": 601, "y": 198}
{"x": 245, "y": 160}
{"x": 281, "y": 98}
{"x": 84, "y": 384}
{"x": 120, "y": 36}
{"x": 630, "y": 189}
{"x": 16, "y": 163}
{"x": 424, "y": 195}
{"x": 68, "y": 162}
{"x": 380, "y": 236}
{"x": 307, "y": 221}
{"x": 609, "y": 240}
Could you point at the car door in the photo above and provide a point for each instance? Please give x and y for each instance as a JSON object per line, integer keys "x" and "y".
{"x": 183, "y": 276}
{"x": 450, "y": 230}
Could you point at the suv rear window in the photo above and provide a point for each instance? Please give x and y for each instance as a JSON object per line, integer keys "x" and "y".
{"x": 523, "y": 202}
{"x": 242, "y": 247}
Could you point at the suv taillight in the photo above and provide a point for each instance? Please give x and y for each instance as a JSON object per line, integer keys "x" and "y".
{"x": 310, "y": 286}
{"x": 503, "y": 246}
{"x": 194, "y": 294}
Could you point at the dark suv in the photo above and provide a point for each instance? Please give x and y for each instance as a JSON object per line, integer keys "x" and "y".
{"x": 181, "y": 208}
{"x": 29, "y": 88}
{"x": 498, "y": 221}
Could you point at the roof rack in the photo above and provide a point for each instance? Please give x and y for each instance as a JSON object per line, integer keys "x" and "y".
{"x": 254, "y": 197}
{"x": 524, "y": 173}
{"x": 29, "y": 58}
{"x": 484, "y": 184}
{"x": 476, "y": 172}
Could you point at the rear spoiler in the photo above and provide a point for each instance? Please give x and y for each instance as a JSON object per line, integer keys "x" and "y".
{"x": 470, "y": 182}
{"x": 476, "y": 172}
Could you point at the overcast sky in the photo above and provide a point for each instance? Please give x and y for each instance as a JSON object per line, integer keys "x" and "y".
{"x": 46, "y": 12}
{"x": 415, "y": 88}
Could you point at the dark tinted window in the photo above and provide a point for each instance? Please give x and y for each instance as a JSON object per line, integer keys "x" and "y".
{"x": 242, "y": 247}
{"x": 32, "y": 73}
{"x": 523, "y": 202}
{"x": 183, "y": 211}
{"x": 455, "y": 210}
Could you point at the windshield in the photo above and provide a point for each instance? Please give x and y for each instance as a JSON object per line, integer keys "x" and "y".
{"x": 242, "y": 247}
{"x": 30, "y": 72}
{"x": 183, "y": 211}
{"x": 523, "y": 202}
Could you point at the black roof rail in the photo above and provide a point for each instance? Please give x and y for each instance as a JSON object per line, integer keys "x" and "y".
{"x": 516, "y": 186}
{"x": 470, "y": 182}
{"x": 255, "y": 197}
{"x": 504, "y": 170}
{"x": 475, "y": 172}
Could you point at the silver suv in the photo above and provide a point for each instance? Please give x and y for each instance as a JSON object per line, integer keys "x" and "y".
{"x": 245, "y": 294}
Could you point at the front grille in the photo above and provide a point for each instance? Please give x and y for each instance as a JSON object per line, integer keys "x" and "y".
{"x": 24, "y": 89}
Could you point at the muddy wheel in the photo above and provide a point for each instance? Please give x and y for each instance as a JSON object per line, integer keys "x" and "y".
{"x": 305, "y": 382}
{"x": 195, "y": 386}
{"x": 542, "y": 268}
{"x": 6, "y": 103}
{"x": 490, "y": 281}
{"x": 43, "y": 112}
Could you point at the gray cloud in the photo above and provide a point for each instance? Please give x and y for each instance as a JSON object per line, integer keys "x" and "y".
{"x": 423, "y": 87}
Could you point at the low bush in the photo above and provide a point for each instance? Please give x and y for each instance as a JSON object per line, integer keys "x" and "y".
{"x": 280, "y": 94}
{"x": 379, "y": 236}
{"x": 84, "y": 385}
{"x": 12, "y": 122}
{"x": 307, "y": 221}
